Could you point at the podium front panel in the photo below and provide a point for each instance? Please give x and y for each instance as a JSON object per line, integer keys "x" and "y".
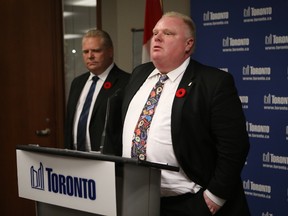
{"x": 141, "y": 191}
{"x": 75, "y": 183}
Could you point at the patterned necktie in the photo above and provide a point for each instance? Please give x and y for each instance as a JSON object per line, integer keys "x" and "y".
{"x": 82, "y": 124}
{"x": 138, "y": 149}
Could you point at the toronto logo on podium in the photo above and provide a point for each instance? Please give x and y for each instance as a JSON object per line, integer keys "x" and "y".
{"x": 59, "y": 183}
{"x": 37, "y": 177}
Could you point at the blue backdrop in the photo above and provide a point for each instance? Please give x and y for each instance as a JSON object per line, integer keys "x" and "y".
{"x": 249, "y": 39}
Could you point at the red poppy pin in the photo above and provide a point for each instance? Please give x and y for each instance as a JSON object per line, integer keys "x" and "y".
{"x": 180, "y": 93}
{"x": 107, "y": 85}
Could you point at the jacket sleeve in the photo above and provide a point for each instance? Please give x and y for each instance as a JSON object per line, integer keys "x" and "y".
{"x": 228, "y": 129}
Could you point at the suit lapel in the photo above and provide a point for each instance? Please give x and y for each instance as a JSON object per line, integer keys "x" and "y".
{"x": 185, "y": 85}
{"x": 135, "y": 83}
{"x": 105, "y": 93}
{"x": 78, "y": 90}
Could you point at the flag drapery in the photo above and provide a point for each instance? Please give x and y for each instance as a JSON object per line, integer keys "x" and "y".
{"x": 153, "y": 12}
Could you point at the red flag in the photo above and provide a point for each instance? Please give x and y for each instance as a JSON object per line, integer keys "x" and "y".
{"x": 153, "y": 12}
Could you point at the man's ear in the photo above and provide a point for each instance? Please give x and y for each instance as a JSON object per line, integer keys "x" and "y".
{"x": 189, "y": 45}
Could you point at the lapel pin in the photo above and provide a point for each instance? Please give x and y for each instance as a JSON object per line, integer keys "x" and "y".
{"x": 180, "y": 93}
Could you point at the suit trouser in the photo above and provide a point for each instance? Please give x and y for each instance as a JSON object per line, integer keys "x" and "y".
{"x": 184, "y": 205}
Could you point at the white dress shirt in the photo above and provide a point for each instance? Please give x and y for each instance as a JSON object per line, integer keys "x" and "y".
{"x": 81, "y": 101}
{"x": 159, "y": 142}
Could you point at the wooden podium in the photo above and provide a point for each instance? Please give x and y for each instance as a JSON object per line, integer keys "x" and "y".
{"x": 67, "y": 182}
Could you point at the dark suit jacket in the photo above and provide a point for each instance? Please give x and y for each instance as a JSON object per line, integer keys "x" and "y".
{"x": 208, "y": 131}
{"x": 118, "y": 78}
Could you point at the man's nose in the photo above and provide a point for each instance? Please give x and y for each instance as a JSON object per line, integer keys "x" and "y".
{"x": 158, "y": 37}
{"x": 90, "y": 54}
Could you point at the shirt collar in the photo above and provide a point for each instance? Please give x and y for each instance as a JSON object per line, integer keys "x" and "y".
{"x": 174, "y": 74}
{"x": 103, "y": 75}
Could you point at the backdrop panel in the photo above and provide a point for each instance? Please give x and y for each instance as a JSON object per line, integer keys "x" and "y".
{"x": 249, "y": 39}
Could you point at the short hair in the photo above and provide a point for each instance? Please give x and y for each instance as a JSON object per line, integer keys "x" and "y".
{"x": 186, "y": 19}
{"x": 107, "y": 41}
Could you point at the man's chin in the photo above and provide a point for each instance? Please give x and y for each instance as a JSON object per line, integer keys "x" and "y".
{"x": 156, "y": 57}
{"x": 91, "y": 68}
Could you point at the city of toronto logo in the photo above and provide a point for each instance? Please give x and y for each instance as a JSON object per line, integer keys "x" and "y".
{"x": 37, "y": 177}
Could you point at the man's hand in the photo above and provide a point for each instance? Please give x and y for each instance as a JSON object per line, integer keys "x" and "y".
{"x": 213, "y": 207}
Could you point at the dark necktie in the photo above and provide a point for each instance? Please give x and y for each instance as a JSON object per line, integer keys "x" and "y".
{"x": 138, "y": 149}
{"x": 82, "y": 124}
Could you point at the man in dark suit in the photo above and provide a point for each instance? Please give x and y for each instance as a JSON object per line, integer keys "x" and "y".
{"x": 97, "y": 49}
{"x": 197, "y": 125}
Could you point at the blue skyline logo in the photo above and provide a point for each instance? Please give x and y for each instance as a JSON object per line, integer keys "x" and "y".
{"x": 37, "y": 177}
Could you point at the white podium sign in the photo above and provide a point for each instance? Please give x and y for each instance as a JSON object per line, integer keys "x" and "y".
{"x": 76, "y": 183}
